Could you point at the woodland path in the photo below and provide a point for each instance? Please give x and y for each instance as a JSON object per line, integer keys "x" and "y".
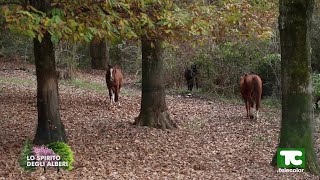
{"x": 214, "y": 139}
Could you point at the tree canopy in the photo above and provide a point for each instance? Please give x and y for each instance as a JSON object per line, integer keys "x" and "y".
{"x": 166, "y": 19}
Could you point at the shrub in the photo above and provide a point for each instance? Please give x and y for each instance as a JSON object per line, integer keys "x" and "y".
{"x": 64, "y": 151}
{"x": 16, "y": 47}
{"x": 26, "y": 151}
{"x": 270, "y": 73}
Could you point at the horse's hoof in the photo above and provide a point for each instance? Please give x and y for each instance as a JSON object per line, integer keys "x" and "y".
{"x": 251, "y": 116}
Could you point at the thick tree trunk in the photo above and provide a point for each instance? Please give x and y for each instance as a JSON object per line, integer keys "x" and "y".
{"x": 297, "y": 113}
{"x": 153, "y": 112}
{"x": 50, "y": 128}
{"x": 99, "y": 53}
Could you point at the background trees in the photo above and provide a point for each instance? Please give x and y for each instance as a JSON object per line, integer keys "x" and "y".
{"x": 47, "y": 22}
{"x": 99, "y": 52}
{"x": 156, "y": 21}
{"x": 222, "y": 47}
{"x": 225, "y": 38}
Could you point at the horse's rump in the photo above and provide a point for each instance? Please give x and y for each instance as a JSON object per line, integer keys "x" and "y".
{"x": 251, "y": 88}
{"x": 249, "y": 84}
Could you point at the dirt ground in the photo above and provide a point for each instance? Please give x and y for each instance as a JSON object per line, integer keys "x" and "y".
{"x": 214, "y": 139}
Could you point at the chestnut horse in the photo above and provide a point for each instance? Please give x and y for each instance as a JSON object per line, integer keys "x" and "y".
{"x": 114, "y": 81}
{"x": 251, "y": 88}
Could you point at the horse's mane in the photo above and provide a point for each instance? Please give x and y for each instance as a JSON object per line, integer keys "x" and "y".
{"x": 245, "y": 78}
{"x": 115, "y": 67}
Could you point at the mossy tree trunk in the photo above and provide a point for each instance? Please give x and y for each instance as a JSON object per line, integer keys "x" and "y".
{"x": 99, "y": 52}
{"x": 297, "y": 113}
{"x": 153, "y": 112}
{"x": 50, "y": 128}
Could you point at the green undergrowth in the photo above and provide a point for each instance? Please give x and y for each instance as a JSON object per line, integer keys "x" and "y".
{"x": 97, "y": 87}
{"x": 85, "y": 85}
{"x": 269, "y": 102}
{"x": 16, "y": 80}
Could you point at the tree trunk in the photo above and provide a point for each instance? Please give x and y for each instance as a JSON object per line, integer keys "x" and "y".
{"x": 297, "y": 125}
{"x": 99, "y": 53}
{"x": 153, "y": 112}
{"x": 50, "y": 128}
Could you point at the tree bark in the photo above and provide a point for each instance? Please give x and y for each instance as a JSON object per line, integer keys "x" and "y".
{"x": 99, "y": 53}
{"x": 153, "y": 112}
{"x": 50, "y": 128}
{"x": 297, "y": 125}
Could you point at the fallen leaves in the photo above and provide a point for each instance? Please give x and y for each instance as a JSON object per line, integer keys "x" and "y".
{"x": 214, "y": 139}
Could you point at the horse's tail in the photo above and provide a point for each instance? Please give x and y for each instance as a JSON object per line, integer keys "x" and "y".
{"x": 257, "y": 83}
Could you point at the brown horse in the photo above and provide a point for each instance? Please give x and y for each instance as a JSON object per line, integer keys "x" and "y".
{"x": 251, "y": 87}
{"x": 114, "y": 81}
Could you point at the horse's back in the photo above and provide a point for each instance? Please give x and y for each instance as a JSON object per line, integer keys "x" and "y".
{"x": 250, "y": 78}
{"x": 257, "y": 83}
{"x": 118, "y": 76}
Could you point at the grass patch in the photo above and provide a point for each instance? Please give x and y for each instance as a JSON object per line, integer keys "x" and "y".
{"x": 16, "y": 81}
{"x": 232, "y": 99}
{"x": 199, "y": 93}
{"x": 271, "y": 102}
{"x": 126, "y": 92}
{"x": 86, "y": 85}
{"x": 181, "y": 91}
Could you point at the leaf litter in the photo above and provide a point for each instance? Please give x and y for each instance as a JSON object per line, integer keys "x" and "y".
{"x": 214, "y": 139}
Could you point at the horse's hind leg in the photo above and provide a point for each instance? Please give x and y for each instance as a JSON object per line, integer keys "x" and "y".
{"x": 247, "y": 107}
{"x": 190, "y": 84}
{"x": 250, "y": 105}
{"x": 258, "y": 99}
{"x": 117, "y": 96}
{"x": 197, "y": 83}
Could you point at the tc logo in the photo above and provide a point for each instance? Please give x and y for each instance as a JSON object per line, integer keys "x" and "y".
{"x": 291, "y": 158}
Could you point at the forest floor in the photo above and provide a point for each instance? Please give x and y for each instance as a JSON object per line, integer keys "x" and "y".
{"x": 214, "y": 139}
